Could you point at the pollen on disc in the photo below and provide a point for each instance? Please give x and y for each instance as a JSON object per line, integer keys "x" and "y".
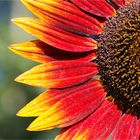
{"x": 118, "y": 58}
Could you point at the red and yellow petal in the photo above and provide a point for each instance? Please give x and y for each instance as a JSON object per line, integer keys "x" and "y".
{"x": 56, "y": 37}
{"x": 43, "y": 102}
{"x": 59, "y": 74}
{"x": 50, "y": 97}
{"x": 68, "y": 132}
{"x": 64, "y": 15}
{"x": 41, "y": 52}
{"x": 99, "y": 125}
{"x": 96, "y": 7}
{"x": 78, "y": 103}
{"x": 127, "y": 128}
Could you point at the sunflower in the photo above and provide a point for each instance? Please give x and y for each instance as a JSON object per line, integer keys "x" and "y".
{"x": 90, "y": 55}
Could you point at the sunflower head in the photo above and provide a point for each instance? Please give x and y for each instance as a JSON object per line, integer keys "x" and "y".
{"x": 90, "y": 55}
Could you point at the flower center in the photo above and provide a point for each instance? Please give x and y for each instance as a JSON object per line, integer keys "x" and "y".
{"x": 118, "y": 58}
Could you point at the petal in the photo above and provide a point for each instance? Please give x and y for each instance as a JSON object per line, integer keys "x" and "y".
{"x": 48, "y": 98}
{"x": 127, "y": 128}
{"x": 100, "y": 124}
{"x": 120, "y": 3}
{"x": 56, "y": 37}
{"x": 59, "y": 74}
{"x": 72, "y": 108}
{"x": 68, "y": 132}
{"x": 100, "y": 7}
{"x": 139, "y": 125}
{"x": 41, "y": 52}
{"x": 64, "y": 15}
{"x": 43, "y": 102}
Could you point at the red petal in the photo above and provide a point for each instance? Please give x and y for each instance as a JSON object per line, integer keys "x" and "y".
{"x": 68, "y": 132}
{"x": 100, "y": 124}
{"x": 41, "y": 52}
{"x": 121, "y": 2}
{"x": 82, "y": 101}
{"x": 59, "y": 74}
{"x": 139, "y": 125}
{"x": 65, "y": 16}
{"x": 55, "y": 36}
{"x": 127, "y": 1}
{"x": 126, "y": 129}
{"x": 100, "y": 7}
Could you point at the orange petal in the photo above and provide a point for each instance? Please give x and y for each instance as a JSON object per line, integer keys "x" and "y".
{"x": 64, "y": 15}
{"x": 59, "y": 74}
{"x": 55, "y": 36}
{"x": 41, "y": 52}
{"x": 79, "y": 103}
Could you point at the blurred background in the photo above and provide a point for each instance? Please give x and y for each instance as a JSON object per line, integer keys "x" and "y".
{"x": 13, "y": 96}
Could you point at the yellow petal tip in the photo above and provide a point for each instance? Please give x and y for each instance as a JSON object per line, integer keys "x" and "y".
{"x": 12, "y": 47}
{"x": 19, "y": 114}
{"x": 20, "y": 79}
{"x": 32, "y": 127}
{"x": 29, "y": 128}
{"x": 16, "y": 20}
{"x": 17, "y": 79}
{"x": 23, "y": 113}
{"x": 22, "y": 20}
{"x": 13, "y": 20}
